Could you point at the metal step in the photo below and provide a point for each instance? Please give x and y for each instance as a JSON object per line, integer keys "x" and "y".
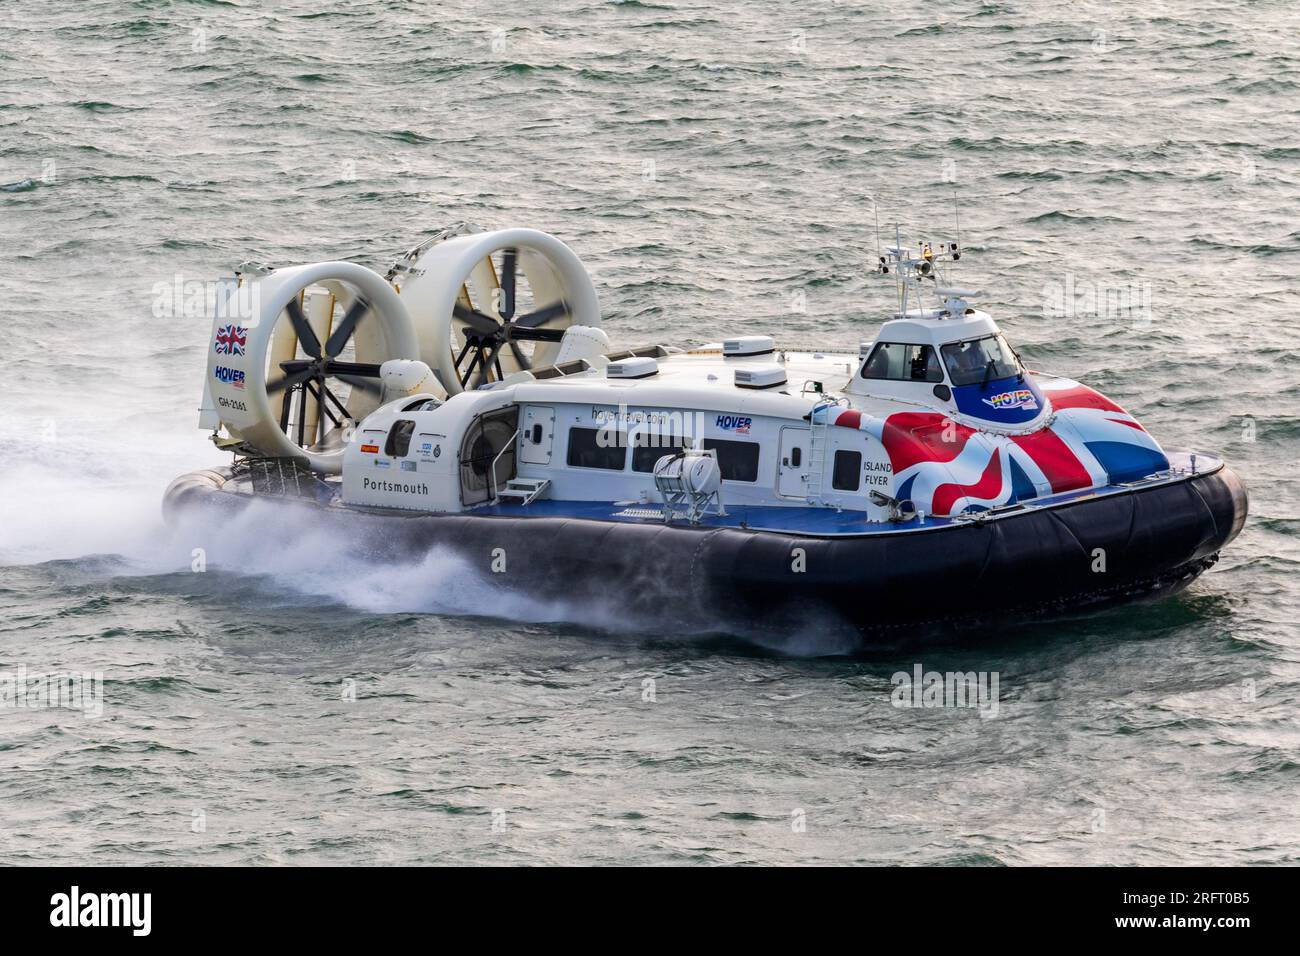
{"x": 526, "y": 490}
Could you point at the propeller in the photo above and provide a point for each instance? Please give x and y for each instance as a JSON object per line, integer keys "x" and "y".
{"x": 310, "y": 377}
{"x": 486, "y": 336}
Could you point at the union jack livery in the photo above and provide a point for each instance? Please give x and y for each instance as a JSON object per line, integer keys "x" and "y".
{"x": 231, "y": 340}
{"x": 945, "y": 467}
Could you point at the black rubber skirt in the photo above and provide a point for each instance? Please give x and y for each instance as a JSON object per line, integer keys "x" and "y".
{"x": 1041, "y": 562}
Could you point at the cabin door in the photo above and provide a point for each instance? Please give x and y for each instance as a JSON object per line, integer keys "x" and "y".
{"x": 536, "y": 432}
{"x": 792, "y": 473}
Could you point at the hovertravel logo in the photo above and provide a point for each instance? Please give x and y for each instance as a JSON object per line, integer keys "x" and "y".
{"x": 975, "y": 690}
{"x": 229, "y": 376}
{"x": 1016, "y": 398}
{"x": 103, "y": 909}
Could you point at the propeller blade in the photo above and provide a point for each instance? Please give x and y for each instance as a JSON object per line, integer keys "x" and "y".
{"x": 288, "y": 381}
{"x": 365, "y": 369}
{"x": 476, "y": 320}
{"x": 508, "y": 264}
{"x": 367, "y": 385}
{"x": 340, "y": 336}
{"x": 302, "y": 328}
{"x": 520, "y": 357}
{"x": 542, "y": 316}
{"x": 538, "y": 335}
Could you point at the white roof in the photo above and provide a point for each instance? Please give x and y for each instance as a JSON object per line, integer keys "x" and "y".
{"x": 914, "y": 329}
{"x": 703, "y": 379}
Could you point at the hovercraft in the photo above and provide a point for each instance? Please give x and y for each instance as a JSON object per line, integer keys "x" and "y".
{"x": 468, "y": 400}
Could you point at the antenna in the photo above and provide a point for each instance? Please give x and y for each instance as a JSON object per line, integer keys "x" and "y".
{"x": 875, "y": 211}
{"x": 902, "y": 286}
{"x": 956, "y": 215}
{"x": 913, "y": 264}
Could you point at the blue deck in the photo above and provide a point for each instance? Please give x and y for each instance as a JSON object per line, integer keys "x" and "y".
{"x": 810, "y": 521}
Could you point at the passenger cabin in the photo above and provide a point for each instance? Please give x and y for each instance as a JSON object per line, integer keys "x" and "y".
{"x": 595, "y": 433}
{"x": 592, "y": 431}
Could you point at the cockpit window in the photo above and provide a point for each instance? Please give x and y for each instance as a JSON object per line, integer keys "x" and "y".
{"x": 894, "y": 361}
{"x": 980, "y": 360}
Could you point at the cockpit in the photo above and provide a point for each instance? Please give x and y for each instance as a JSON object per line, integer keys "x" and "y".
{"x": 970, "y": 362}
{"x": 899, "y": 362}
{"x": 982, "y": 360}
{"x": 969, "y": 367}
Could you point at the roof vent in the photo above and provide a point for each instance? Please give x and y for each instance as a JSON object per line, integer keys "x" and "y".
{"x": 764, "y": 376}
{"x": 748, "y": 345}
{"x": 554, "y": 371}
{"x": 640, "y": 367}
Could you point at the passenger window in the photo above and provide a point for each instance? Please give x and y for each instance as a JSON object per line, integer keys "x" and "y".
{"x": 737, "y": 460}
{"x": 847, "y": 475}
{"x": 648, "y": 449}
{"x": 796, "y": 457}
{"x": 597, "y": 448}
{"x": 399, "y": 438}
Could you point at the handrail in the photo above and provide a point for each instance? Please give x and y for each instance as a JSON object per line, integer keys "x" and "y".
{"x": 492, "y": 470}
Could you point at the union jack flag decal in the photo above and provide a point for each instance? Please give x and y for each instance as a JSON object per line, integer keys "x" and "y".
{"x": 947, "y": 468}
{"x": 231, "y": 340}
